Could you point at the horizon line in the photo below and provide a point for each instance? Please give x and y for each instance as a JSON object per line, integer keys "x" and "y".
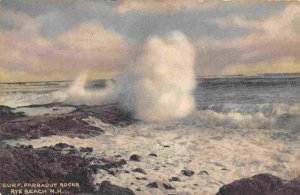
{"x": 199, "y": 76}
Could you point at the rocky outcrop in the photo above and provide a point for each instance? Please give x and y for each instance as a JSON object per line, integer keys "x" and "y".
{"x": 262, "y": 184}
{"x": 6, "y": 114}
{"x": 45, "y": 165}
{"x": 70, "y": 124}
{"x": 61, "y": 163}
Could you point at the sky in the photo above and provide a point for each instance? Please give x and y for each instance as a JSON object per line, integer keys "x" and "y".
{"x": 42, "y": 40}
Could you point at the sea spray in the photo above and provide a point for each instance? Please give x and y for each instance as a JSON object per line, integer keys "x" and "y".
{"x": 160, "y": 83}
{"x": 157, "y": 86}
{"x": 77, "y": 94}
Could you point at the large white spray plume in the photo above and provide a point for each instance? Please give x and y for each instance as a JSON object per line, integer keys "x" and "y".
{"x": 158, "y": 86}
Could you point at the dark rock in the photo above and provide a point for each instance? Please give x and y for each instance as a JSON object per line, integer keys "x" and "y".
{"x": 71, "y": 124}
{"x": 62, "y": 145}
{"x": 113, "y": 172}
{"x": 156, "y": 168}
{"x": 48, "y": 165}
{"x": 168, "y": 186}
{"x": 110, "y": 113}
{"x": 117, "y": 164}
{"x": 135, "y": 157}
{"x": 224, "y": 169}
{"x": 166, "y": 146}
{"x": 106, "y": 188}
{"x": 87, "y": 149}
{"x": 16, "y": 125}
{"x": 118, "y": 156}
{"x": 152, "y": 185}
{"x": 152, "y": 154}
{"x": 45, "y": 165}
{"x": 26, "y": 147}
{"x": 73, "y": 151}
{"x": 141, "y": 178}
{"x": 262, "y": 184}
{"x": 7, "y": 114}
{"x": 139, "y": 170}
{"x": 94, "y": 168}
{"x": 102, "y": 164}
{"x": 187, "y": 172}
{"x": 174, "y": 179}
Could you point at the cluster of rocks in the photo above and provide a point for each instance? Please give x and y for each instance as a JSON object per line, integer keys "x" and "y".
{"x": 61, "y": 162}
{"x": 264, "y": 184}
{"x": 45, "y": 165}
{"x": 115, "y": 167}
{"x": 65, "y": 163}
{"x": 17, "y": 125}
{"x": 58, "y": 163}
{"x": 158, "y": 184}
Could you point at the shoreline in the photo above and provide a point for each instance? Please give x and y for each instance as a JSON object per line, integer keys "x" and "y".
{"x": 147, "y": 158}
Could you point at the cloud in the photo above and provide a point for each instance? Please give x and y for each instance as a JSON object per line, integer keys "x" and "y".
{"x": 173, "y": 6}
{"x": 25, "y": 54}
{"x": 161, "y": 7}
{"x": 91, "y": 41}
{"x": 28, "y": 56}
{"x": 266, "y": 48}
{"x": 281, "y": 66}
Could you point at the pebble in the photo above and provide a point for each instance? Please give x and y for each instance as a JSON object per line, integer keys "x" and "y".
{"x": 152, "y": 185}
{"x": 139, "y": 170}
{"x": 152, "y": 154}
{"x": 187, "y": 172}
{"x": 141, "y": 178}
{"x": 174, "y": 179}
{"x": 135, "y": 157}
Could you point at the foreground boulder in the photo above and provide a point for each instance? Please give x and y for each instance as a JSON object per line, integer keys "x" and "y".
{"x": 262, "y": 184}
{"x": 44, "y": 165}
{"x": 62, "y": 164}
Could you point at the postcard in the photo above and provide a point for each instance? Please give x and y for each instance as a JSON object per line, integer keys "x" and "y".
{"x": 157, "y": 97}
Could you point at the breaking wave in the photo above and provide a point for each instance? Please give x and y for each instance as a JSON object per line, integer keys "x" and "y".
{"x": 251, "y": 116}
{"x": 158, "y": 85}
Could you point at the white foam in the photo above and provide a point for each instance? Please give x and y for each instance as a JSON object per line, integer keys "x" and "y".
{"x": 261, "y": 116}
{"x": 240, "y": 153}
{"x": 158, "y": 86}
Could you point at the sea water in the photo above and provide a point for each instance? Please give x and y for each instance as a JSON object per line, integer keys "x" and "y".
{"x": 243, "y": 125}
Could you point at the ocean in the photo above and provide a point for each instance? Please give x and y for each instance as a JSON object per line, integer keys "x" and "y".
{"x": 241, "y": 126}
{"x": 274, "y": 98}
